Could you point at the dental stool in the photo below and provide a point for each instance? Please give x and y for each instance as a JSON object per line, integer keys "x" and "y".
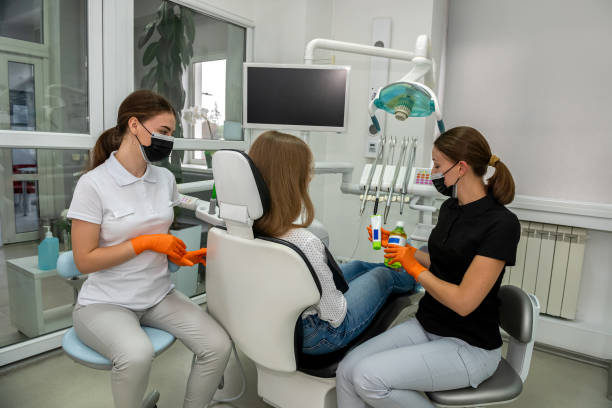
{"x": 518, "y": 316}
{"x": 257, "y": 288}
{"x": 82, "y": 354}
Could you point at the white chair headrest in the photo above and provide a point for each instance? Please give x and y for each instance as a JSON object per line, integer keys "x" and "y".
{"x": 242, "y": 193}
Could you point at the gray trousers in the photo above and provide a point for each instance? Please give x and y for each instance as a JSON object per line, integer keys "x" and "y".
{"x": 115, "y": 332}
{"x": 392, "y": 369}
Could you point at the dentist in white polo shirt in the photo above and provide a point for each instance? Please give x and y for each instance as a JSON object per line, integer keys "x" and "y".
{"x": 121, "y": 212}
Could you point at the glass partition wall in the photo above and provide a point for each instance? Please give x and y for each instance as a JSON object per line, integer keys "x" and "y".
{"x": 54, "y": 102}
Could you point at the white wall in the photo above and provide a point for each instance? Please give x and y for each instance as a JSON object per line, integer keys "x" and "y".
{"x": 534, "y": 77}
{"x": 282, "y": 30}
{"x": 352, "y": 21}
{"x": 537, "y": 84}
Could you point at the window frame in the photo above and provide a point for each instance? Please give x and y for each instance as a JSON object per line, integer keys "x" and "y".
{"x": 57, "y": 140}
{"x": 204, "y": 144}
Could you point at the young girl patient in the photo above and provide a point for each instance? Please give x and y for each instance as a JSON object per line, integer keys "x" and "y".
{"x": 286, "y": 164}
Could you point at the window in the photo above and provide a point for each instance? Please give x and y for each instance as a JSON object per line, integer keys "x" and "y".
{"x": 46, "y": 127}
{"x": 202, "y": 57}
{"x": 38, "y": 187}
{"x": 43, "y": 66}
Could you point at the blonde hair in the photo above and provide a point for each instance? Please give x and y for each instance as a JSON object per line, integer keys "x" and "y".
{"x": 285, "y": 162}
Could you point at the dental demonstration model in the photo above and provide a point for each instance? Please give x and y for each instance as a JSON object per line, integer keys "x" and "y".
{"x": 376, "y": 222}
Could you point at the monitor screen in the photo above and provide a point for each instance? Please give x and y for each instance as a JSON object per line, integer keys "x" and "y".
{"x": 297, "y": 97}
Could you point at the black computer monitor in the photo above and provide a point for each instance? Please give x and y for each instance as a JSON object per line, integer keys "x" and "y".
{"x": 296, "y": 97}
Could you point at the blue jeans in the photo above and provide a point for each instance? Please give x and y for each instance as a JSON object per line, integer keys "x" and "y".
{"x": 370, "y": 284}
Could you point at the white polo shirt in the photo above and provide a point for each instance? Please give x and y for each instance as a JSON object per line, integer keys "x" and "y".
{"x": 125, "y": 207}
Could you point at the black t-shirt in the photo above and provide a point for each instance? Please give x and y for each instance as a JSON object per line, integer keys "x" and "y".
{"x": 483, "y": 227}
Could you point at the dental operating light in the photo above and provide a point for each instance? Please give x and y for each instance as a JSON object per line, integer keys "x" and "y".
{"x": 406, "y": 99}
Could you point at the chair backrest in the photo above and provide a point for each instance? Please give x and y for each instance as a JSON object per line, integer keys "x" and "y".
{"x": 256, "y": 288}
{"x": 518, "y": 316}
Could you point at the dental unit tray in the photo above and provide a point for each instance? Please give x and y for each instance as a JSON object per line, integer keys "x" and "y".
{"x": 419, "y": 182}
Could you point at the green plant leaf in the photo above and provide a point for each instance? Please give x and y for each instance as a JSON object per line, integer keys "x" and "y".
{"x": 148, "y": 32}
{"x": 187, "y": 17}
{"x": 149, "y": 80}
{"x": 150, "y": 53}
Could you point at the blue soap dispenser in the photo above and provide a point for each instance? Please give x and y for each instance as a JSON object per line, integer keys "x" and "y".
{"x": 48, "y": 251}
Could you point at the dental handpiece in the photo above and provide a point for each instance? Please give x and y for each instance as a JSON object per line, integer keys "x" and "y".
{"x": 400, "y": 160}
{"x": 383, "y": 141}
{"x": 409, "y": 163}
{"x": 382, "y": 174}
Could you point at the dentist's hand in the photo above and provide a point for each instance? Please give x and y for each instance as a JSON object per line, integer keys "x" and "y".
{"x": 180, "y": 261}
{"x": 191, "y": 258}
{"x": 405, "y": 256}
{"x": 384, "y": 236}
{"x": 162, "y": 243}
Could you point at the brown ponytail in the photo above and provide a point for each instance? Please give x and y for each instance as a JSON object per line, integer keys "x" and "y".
{"x": 108, "y": 142}
{"x": 142, "y": 104}
{"x": 468, "y": 144}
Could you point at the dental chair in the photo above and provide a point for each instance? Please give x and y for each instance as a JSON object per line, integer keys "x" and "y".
{"x": 518, "y": 316}
{"x": 257, "y": 288}
{"x": 82, "y": 354}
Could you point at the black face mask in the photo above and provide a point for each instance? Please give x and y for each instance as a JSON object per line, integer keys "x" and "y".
{"x": 438, "y": 181}
{"x": 160, "y": 148}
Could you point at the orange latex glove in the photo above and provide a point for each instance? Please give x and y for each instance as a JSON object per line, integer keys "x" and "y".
{"x": 384, "y": 236}
{"x": 162, "y": 243}
{"x": 405, "y": 256}
{"x": 180, "y": 261}
{"x": 190, "y": 258}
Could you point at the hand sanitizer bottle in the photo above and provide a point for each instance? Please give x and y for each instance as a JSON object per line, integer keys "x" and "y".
{"x": 48, "y": 251}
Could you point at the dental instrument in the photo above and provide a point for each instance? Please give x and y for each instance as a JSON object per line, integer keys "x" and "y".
{"x": 382, "y": 172}
{"x": 379, "y": 157}
{"x": 409, "y": 163}
{"x": 398, "y": 167}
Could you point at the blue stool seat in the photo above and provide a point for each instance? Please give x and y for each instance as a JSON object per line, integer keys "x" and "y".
{"x": 85, "y": 355}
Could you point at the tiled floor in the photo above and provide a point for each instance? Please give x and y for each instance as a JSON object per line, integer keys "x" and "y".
{"x": 53, "y": 380}
{"x": 56, "y": 381}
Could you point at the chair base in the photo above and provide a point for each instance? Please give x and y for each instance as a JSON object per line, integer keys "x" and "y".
{"x": 296, "y": 389}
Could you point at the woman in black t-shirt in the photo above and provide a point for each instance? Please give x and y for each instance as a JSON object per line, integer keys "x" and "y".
{"x": 454, "y": 341}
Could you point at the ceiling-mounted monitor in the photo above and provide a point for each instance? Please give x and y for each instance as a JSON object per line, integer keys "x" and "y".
{"x": 296, "y": 97}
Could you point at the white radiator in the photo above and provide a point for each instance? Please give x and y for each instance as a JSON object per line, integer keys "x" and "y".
{"x": 549, "y": 262}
